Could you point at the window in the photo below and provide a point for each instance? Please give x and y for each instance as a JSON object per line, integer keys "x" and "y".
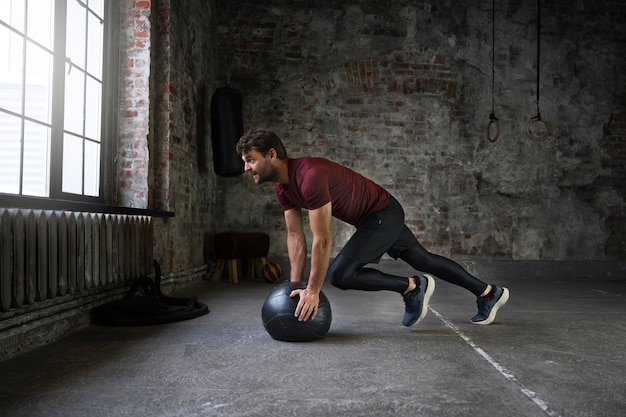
{"x": 52, "y": 84}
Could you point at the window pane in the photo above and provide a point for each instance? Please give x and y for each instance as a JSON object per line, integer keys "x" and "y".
{"x": 97, "y": 6}
{"x": 76, "y": 36}
{"x": 12, "y": 12}
{"x": 94, "y": 47}
{"x": 28, "y": 95}
{"x": 36, "y": 156}
{"x": 38, "y": 83}
{"x": 93, "y": 109}
{"x": 92, "y": 168}
{"x": 40, "y": 21}
{"x": 74, "y": 96}
{"x": 10, "y": 138}
{"x": 11, "y": 58}
{"x": 72, "y": 164}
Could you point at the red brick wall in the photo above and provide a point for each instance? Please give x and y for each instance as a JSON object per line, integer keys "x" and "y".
{"x": 134, "y": 112}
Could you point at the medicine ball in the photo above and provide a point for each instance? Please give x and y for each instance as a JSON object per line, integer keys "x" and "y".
{"x": 279, "y": 320}
{"x": 272, "y": 272}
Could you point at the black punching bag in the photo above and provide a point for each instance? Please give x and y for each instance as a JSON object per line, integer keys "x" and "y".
{"x": 226, "y": 129}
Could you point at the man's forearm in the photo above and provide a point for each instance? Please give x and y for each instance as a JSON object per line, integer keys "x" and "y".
{"x": 296, "y": 247}
{"x": 320, "y": 258}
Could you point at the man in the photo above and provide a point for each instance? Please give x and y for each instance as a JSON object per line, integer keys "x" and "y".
{"x": 327, "y": 189}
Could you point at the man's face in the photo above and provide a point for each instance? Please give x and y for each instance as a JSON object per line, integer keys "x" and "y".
{"x": 259, "y": 166}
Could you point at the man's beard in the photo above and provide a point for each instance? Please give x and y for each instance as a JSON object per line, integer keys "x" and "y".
{"x": 267, "y": 174}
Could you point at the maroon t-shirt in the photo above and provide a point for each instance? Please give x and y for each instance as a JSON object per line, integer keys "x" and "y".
{"x": 313, "y": 182}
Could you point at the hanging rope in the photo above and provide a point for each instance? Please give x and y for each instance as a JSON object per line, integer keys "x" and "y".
{"x": 537, "y": 119}
{"x": 493, "y": 120}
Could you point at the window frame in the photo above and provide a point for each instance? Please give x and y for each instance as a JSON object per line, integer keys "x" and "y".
{"x": 108, "y": 117}
{"x": 109, "y": 174}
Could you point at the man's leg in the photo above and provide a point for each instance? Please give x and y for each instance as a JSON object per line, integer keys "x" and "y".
{"x": 373, "y": 237}
{"x": 371, "y": 240}
{"x": 416, "y": 291}
{"x": 350, "y": 274}
{"x": 412, "y": 252}
{"x": 489, "y": 297}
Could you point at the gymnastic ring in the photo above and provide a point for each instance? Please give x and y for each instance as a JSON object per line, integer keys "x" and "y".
{"x": 497, "y": 123}
{"x": 533, "y": 121}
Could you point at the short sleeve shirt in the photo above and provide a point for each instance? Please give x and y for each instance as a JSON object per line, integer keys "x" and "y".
{"x": 314, "y": 182}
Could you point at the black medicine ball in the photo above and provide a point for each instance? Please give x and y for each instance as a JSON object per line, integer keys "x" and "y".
{"x": 279, "y": 320}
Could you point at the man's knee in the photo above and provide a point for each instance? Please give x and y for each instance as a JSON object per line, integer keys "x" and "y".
{"x": 337, "y": 279}
{"x": 341, "y": 273}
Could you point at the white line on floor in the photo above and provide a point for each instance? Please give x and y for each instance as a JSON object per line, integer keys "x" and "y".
{"x": 505, "y": 372}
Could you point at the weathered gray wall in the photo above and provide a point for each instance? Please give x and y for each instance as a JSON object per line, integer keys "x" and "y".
{"x": 184, "y": 76}
{"x": 401, "y": 91}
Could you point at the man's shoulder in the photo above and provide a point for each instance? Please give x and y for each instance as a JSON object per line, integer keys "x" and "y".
{"x": 309, "y": 164}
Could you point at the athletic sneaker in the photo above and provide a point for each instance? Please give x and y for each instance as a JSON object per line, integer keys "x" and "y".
{"x": 489, "y": 306}
{"x": 416, "y": 302}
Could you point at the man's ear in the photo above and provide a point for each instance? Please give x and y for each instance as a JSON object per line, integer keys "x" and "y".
{"x": 273, "y": 154}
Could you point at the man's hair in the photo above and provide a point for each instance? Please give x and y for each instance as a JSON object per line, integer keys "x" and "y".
{"x": 261, "y": 141}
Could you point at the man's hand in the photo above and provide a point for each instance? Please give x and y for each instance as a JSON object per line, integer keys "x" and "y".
{"x": 307, "y": 305}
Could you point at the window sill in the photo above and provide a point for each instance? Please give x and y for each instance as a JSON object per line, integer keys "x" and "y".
{"x": 40, "y": 203}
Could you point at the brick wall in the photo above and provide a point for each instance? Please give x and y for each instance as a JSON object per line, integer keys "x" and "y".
{"x": 184, "y": 77}
{"x": 403, "y": 92}
{"x": 134, "y": 105}
{"x": 168, "y": 73}
{"x": 613, "y": 182}
{"x": 400, "y": 92}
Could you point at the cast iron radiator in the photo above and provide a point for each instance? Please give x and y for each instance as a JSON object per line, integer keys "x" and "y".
{"x": 45, "y": 255}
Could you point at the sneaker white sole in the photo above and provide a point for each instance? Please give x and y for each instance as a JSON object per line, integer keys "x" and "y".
{"x": 430, "y": 289}
{"x": 492, "y": 316}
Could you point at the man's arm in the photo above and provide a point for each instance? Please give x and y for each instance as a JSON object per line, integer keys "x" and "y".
{"x": 320, "y": 221}
{"x": 296, "y": 243}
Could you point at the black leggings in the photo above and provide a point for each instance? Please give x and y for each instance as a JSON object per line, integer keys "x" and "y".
{"x": 385, "y": 232}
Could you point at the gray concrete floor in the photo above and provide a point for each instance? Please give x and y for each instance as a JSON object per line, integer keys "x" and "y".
{"x": 556, "y": 349}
